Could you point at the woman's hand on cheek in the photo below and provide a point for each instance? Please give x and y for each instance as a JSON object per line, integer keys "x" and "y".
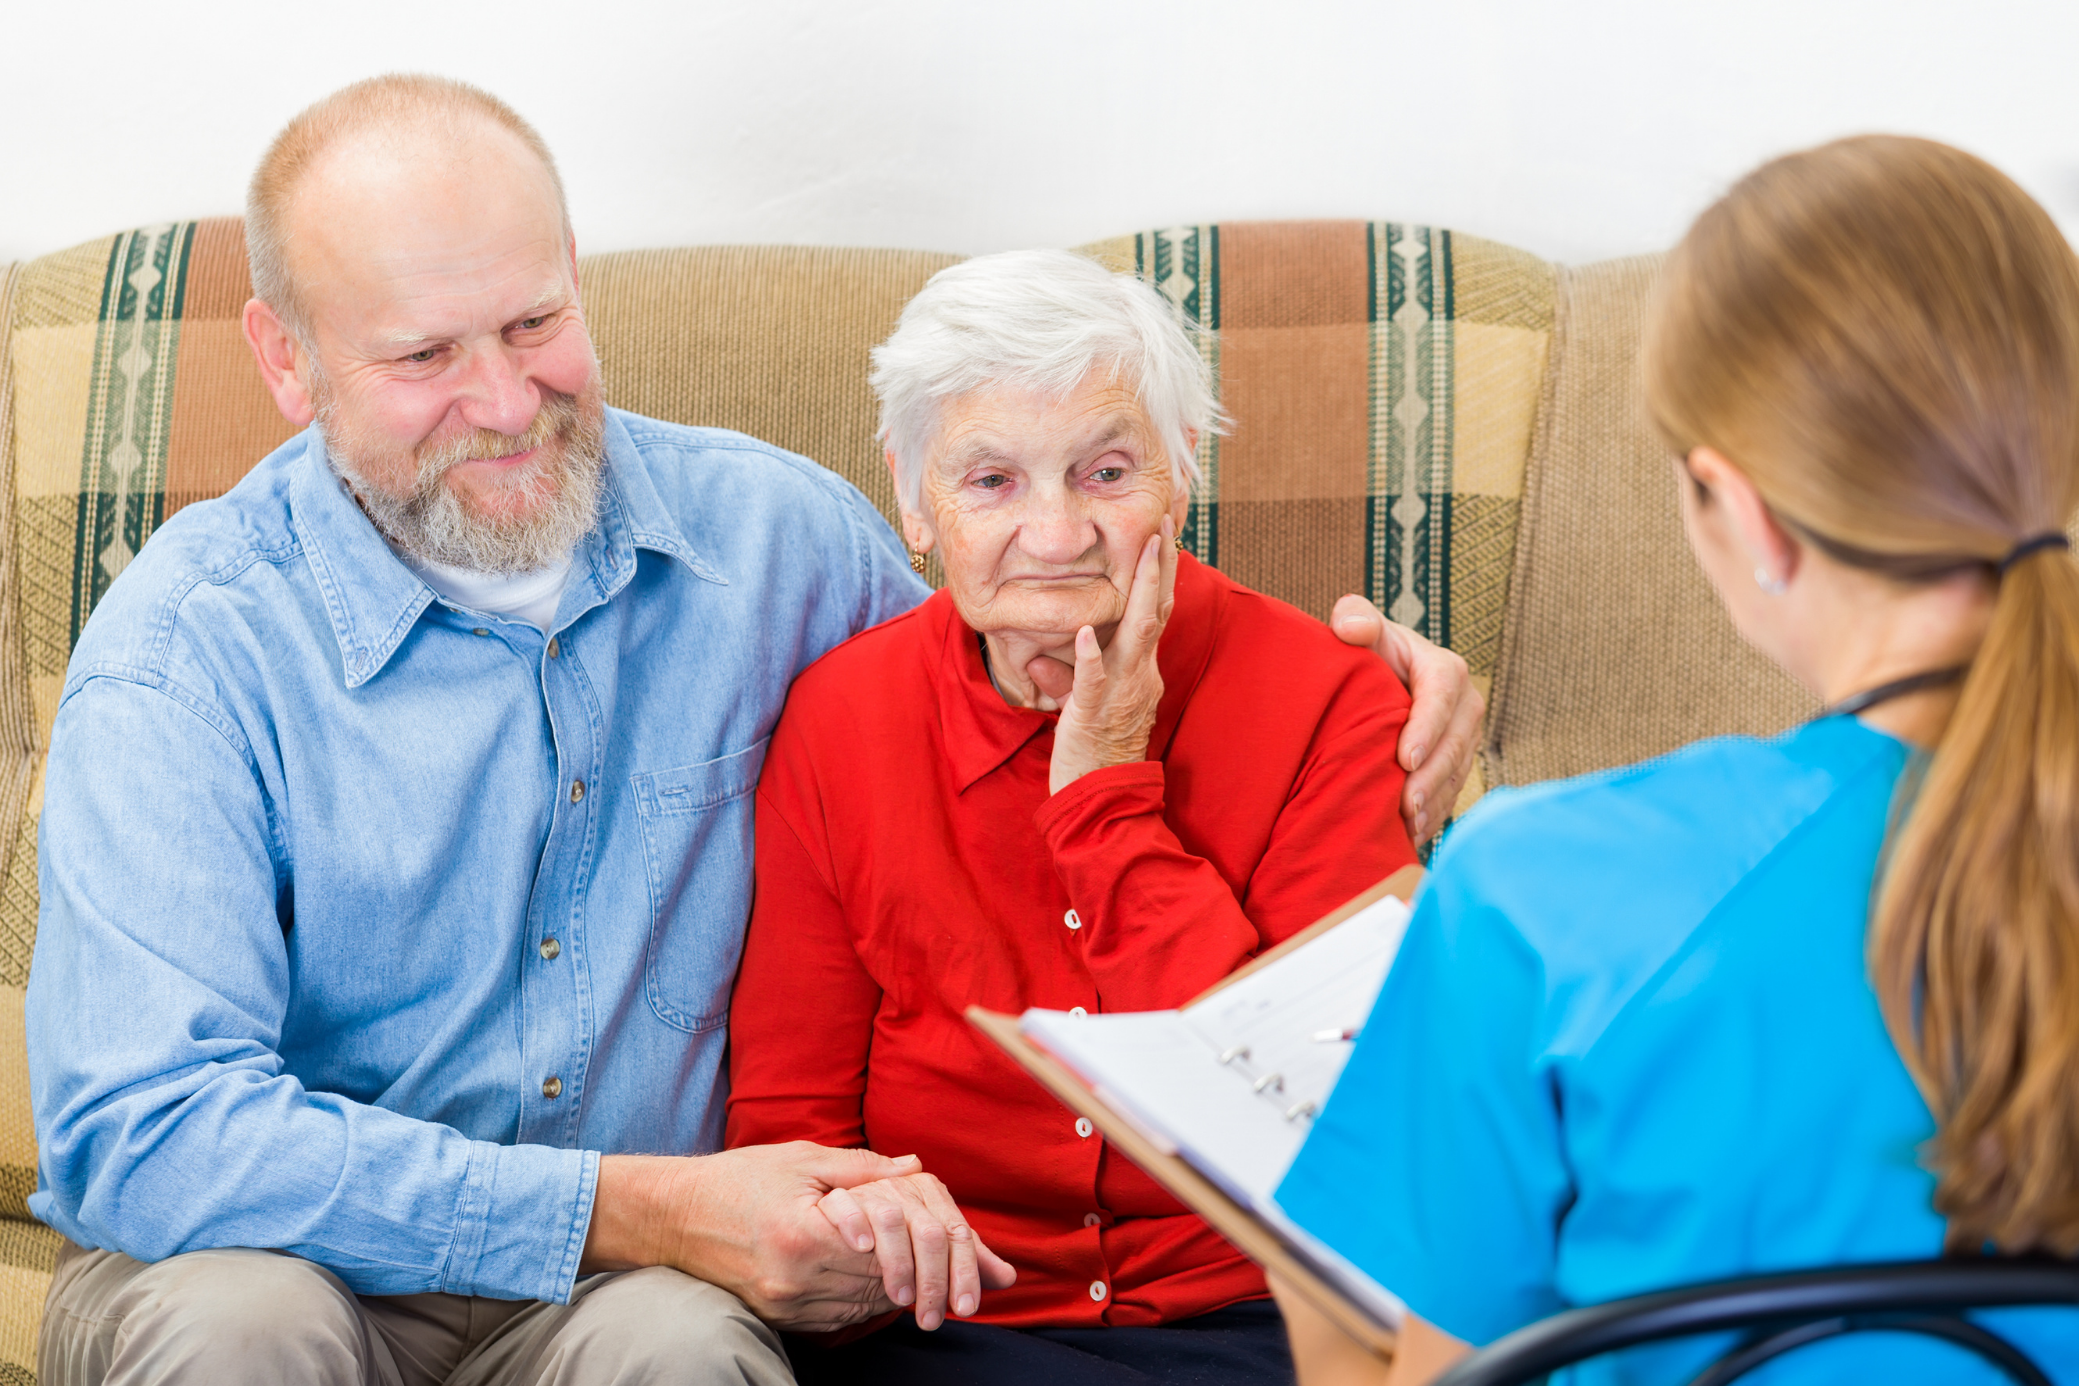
{"x": 1111, "y": 709}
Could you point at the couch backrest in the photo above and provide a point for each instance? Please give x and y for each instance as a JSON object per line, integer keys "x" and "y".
{"x": 1407, "y": 401}
{"x": 1616, "y": 647}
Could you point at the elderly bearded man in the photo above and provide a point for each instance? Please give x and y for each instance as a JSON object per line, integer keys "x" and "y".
{"x": 396, "y": 838}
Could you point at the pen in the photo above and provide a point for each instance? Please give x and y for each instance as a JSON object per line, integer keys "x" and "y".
{"x": 1335, "y": 1036}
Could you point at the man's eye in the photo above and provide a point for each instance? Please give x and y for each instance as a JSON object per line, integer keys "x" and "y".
{"x": 422, "y": 356}
{"x": 530, "y": 324}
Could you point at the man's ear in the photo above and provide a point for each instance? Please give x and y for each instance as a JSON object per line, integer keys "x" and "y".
{"x": 282, "y": 366}
{"x": 1760, "y": 532}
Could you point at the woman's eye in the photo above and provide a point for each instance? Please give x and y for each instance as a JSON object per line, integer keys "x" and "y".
{"x": 992, "y": 481}
{"x": 1108, "y": 473}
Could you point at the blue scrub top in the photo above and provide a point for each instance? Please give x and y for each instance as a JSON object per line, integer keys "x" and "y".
{"x": 1630, "y": 1043}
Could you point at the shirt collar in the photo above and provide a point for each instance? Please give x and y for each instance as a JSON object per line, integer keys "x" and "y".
{"x": 373, "y": 600}
{"x": 981, "y": 731}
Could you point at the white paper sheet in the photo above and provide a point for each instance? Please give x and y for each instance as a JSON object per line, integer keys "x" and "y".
{"x": 1230, "y": 1084}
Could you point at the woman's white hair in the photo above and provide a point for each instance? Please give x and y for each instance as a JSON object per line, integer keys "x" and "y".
{"x": 1039, "y": 320}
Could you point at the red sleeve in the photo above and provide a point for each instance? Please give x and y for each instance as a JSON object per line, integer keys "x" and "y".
{"x": 1160, "y": 925}
{"x": 803, "y": 1011}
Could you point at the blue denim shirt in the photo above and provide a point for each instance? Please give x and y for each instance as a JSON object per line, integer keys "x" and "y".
{"x": 368, "y": 920}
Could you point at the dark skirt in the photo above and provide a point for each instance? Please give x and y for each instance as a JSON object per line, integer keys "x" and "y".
{"x": 1241, "y": 1345}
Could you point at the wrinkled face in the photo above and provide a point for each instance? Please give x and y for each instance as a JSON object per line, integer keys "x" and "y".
{"x": 453, "y": 376}
{"x": 1038, "y": 506}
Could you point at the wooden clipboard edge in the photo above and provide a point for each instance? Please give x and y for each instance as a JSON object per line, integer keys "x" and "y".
{"x": 1191, "y": 1188}
{"x": 1401, "y": 885}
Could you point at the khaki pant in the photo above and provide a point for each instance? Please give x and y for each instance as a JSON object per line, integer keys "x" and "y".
{"x": 234, "y": 1316}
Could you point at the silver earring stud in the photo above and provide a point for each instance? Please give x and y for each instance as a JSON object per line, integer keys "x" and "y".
{"x": 1773, "y": 585}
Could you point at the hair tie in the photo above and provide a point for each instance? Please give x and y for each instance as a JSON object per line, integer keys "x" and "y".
{"x": 2053, "y": 540}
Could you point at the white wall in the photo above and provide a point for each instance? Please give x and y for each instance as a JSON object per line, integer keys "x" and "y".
{"x": 1574, "y": 128}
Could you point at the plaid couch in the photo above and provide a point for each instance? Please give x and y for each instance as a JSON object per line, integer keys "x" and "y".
{"x": 1447, "y": 425}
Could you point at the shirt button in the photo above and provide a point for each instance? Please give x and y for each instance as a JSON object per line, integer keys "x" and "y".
{"x": 552, "y": 1086}
{"x": 1083, "y": 1127}
{"x": 1073, "y": 919}
{"x": 1098, "y": 1290}
{"x": 1078, "y": 1011}
{"x": 480, "y": 631}
{"x": 1091, "y": 1219}
{"x": 577, "y": 790}
{"x": 554, "y": 648}
{"x": 550, "y": 948}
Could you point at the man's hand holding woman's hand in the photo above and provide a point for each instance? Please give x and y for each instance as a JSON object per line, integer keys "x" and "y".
{"x": 752, "y": 1221}
{"x": 1111, "y": 708}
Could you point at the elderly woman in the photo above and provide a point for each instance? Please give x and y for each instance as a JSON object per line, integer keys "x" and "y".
{"x": 1090, "y": 774}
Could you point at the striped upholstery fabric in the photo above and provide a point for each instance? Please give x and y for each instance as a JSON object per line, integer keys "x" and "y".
{"x": 1384, "y": 379}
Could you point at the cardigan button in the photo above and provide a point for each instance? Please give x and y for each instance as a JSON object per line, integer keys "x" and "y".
{"x": 1078, "y": 1011}
{"x": 1091, "y": 1219}
{"x": 1073, "y": 919}
{"x": 1083, "y": 1127}
{"x": 1098, "y": 1291}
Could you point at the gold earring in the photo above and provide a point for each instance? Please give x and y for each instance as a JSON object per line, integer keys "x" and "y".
{"x": 1179, "y": 541}
{"x": 916, "y": 561}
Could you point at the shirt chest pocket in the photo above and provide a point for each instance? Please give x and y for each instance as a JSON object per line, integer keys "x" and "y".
{"x": 697, "y": 850}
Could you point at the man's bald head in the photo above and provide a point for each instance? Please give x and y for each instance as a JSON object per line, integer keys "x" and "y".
{"x": 405, "y": 114}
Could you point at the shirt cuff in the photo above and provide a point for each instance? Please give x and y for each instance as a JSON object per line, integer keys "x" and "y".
{"x": 520, "y": 1227}
{"x": 1087, "y": 803}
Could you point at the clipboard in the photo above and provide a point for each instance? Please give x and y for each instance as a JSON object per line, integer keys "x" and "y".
{"x": 1186, "y": 1184}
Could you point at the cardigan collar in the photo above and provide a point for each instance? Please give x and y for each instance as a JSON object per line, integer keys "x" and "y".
{"x": 981, "y": 731}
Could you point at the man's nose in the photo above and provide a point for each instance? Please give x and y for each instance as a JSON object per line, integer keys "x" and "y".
{"x": 1055, "y": 528}
{"x": 497, "y": 393}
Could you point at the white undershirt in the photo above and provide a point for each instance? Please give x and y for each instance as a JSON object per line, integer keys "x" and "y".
{"x": 521, "y": 596}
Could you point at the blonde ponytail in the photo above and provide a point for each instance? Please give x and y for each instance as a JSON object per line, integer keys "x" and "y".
{"x": 1972, "y": 946}
{"x": 1882, "y": 334}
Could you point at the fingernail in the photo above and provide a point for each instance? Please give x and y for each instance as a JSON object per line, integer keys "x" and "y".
{"x": 966, "y": 1306}
{"x": 865, "y": 1243}
{"x": 903, "y": 1297}
{"x": 1416, "y": 797}
{"x": 1415, "y": 756}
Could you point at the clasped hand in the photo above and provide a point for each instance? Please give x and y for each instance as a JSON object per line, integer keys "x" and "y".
{"x": 1111, "y": 708}
{"x": 930, "y": 1259}
{"x": 768, "y": 1224}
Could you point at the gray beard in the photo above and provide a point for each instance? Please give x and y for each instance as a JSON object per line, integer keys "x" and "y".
{"x": 431, "y": 524}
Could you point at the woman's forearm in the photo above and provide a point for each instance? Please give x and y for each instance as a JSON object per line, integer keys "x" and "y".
{"x": 1157, "y": 924}
{"x": 1324, "y": 1355}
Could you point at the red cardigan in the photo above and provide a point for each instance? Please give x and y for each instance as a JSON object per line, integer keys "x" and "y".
{"x": 911, "y": 862}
